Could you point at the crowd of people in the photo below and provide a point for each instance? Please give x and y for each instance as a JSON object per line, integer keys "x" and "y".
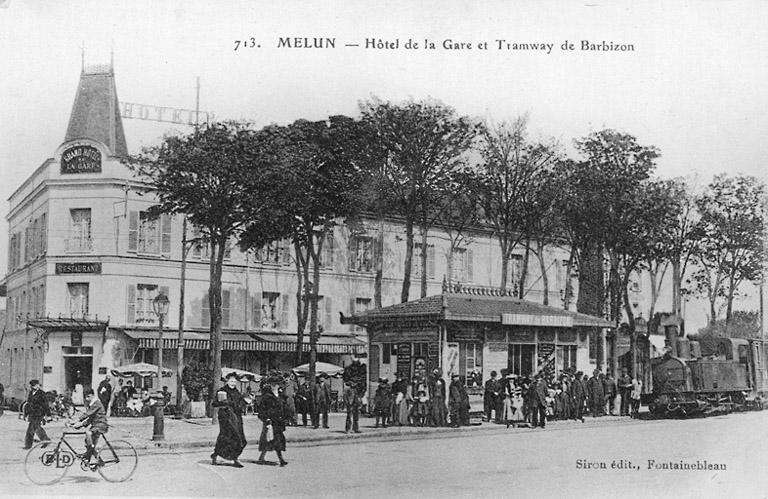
{"x": 515, "y": 400}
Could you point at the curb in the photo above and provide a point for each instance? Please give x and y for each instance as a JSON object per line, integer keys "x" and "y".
{"x": 399, "y": 434}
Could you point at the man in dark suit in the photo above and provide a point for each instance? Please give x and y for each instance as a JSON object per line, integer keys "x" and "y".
{"x": 539, "y": 402}
{"x": 625, "y": 389}
{"x": 37, "y": 410}
{"x": 322, "y": 401}
{"x": 577, "y": 397}
{"x": 491, "y": 397}
{"x": 352, "y": 403}
{"x": 104, "y": 392}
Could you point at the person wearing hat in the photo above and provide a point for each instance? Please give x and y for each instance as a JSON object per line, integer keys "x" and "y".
{"x": 382, "y": 403}
{"x": 322, "y": 401}
{"x": 274, "y": 414}
{"x": 437, "y": 392}
{"x": 400, "y": 404}
{"x": 538, "y": 402}
{"x": 231, "y": 440}
{"x": 305, "y": 402}
{"x": 596, "y": 394}
{"x": 37, "y": 409}
{"x": 455, "y": 400}
{"x": 352, "y": 402}
{"x": 625, "y": 389}
{"x": 491, "y": 397}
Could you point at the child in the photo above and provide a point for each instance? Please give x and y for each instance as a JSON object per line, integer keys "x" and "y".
{"x": 516, "y": 417}
{"x": 422, "y": 408}
{"x": 382, "y": 403}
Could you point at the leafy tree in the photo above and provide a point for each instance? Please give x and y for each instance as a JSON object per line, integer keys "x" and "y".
{"x": 197, "y": 378}
{"x": 319, "y": 159}
{"x": 730, "y": 236}
{"x": 220, "y": 179}
{"x": 513, "y": 170}
{"x": 424, "y": 141}
{"x": 743, "y": 324}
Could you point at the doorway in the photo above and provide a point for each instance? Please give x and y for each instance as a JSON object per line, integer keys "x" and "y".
{"x": 520, "y": 359}
{"x": 77, "y": 370}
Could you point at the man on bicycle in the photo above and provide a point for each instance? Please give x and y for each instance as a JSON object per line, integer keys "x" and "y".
{"x": 95, "y": 421}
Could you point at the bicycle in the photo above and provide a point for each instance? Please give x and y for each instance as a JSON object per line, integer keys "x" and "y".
{"x": 47, "y": 462}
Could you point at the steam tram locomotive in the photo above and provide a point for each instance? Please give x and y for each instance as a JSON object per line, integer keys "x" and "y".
{"x": 703, "y": 376}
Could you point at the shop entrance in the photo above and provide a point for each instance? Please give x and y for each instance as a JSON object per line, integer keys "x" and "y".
{"x": 520, "y": 359}
{"x": 77, "y": 375}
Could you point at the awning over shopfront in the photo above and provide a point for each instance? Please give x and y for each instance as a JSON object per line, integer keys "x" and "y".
{"x": 68, "y": 324}
{"x": 280, "y": 342}
{"x": 262, "y": 341}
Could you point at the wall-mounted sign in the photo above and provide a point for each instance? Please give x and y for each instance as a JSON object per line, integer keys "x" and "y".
{"x": 404, "y": 359}
{"x": 47, "y": 369}
{"x": 78, "y": 268}
{"x": 537, "y": 320}
{"x": 76, "y": 338}
{"x": 81, "y": 159}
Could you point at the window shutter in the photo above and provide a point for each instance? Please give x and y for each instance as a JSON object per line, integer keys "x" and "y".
{"x": 285, "y": 310}
{"x": 43, "y": 232}
{"x": 133, "y": 231}
{"x": 328, "y": 312}
{"x": 225, "y": 294}
{"x": 352, "y": 252}
{"x": 131, "y": 312}
{"x": 431, "y": 261}
{"x": 328, "y": 251}
{"x": 165, "y": 224}
{"x": 470, "y": 265}
{"x": 256, "y": 316}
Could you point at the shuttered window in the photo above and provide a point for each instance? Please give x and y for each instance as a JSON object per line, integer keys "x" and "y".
{"x": 139, "y": 308}
{"x": 462, "y": 265}
{"x": 416, "y": 265}
{"x": 148, "y": 234}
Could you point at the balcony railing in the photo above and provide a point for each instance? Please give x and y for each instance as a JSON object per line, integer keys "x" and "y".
{"x": 78, "y": 245}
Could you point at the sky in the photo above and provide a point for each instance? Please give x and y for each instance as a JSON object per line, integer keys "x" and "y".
{"x": 694, "y": 85}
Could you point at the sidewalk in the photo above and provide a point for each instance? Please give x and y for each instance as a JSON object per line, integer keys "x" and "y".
{"x": 194, "y": 434}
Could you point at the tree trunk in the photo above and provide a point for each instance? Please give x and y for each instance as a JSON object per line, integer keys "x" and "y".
{"x": 313, "y": 257}
{"x": 423, "y": 257}
{"x": 379, "y": 253}
{"x": 504, "y": 264}
{"x": 214, "y": 304}
{"x": 449, "y": 264}
{"x": 568, "y": 292}
{"x": 632, "y": 334}
{"x": 408, "y": 260}
{"x": 591, "y": 285}
{"x": 677, "y": 297}
{"x": 543, "y": 268}
{"x": 524, "y": 270}
{"x": 302, "y": 291}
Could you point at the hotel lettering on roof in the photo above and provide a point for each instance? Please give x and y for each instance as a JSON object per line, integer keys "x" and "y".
{"x": 87, "y": 257}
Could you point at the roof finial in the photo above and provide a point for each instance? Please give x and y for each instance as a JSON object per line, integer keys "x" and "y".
{"x": 82, "y": 56}
{"x": 112, "y": 56}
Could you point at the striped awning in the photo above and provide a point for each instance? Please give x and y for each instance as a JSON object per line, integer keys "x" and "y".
{"x": 249, "y": 342}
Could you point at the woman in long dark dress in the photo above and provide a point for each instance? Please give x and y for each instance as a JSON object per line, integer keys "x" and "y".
{"x": 231, "y": 440}
{"x": 273, "y": 413}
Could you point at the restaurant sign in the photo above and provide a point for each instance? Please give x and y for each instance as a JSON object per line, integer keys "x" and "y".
{"x": 78, "y": 268}
{"x": 537, "y": 320}
{"x": 81, "y": 159}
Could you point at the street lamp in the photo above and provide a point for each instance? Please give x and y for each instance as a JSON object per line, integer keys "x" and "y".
{"x": 160, "y": 307}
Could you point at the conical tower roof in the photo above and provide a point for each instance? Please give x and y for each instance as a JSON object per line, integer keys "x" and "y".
{"x": 96, "y": 111}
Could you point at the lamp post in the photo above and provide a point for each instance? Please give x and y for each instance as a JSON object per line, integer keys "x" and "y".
{"x": 160, "y": 307}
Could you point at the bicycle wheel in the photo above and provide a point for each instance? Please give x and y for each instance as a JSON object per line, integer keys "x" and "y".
{"x": 46, "y": 463}
{"x": 119, "y": 460}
